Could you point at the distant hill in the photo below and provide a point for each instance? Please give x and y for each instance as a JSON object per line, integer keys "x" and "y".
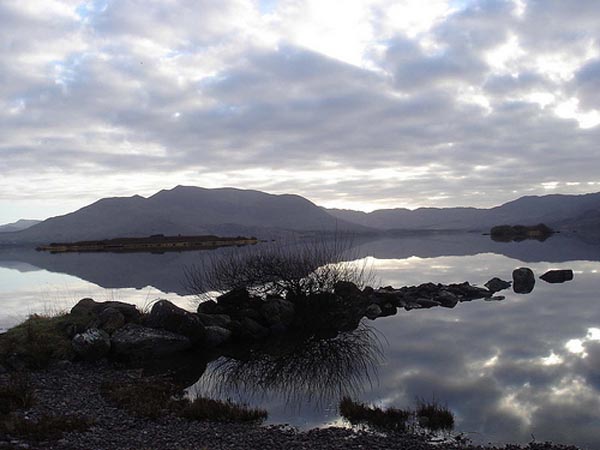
{"x": 188, "y": 211}
{"x": 554, "y": 210}
{"x": 19, "y": 225}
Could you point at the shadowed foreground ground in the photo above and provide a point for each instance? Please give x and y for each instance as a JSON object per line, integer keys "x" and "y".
{"x": 75, "y": 389}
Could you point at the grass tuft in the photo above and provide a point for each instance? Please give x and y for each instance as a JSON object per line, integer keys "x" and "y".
{"x": 154, "y": 397}
{"x": 202, "y": 408}
{"x": 39, "y": 340}
{"x": 16, "y": 393}
{"x": 428, "y": 415}
{"x": 144, "y": 397}
{"x": 433, "y": 415}
{"x": 389, "y": 419}
{"x": 43, "y": 429}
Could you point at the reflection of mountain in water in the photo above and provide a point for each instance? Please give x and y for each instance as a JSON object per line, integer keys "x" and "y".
{"x": 165, "y": 271}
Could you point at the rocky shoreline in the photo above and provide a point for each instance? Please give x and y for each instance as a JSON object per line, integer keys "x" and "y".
{"x": 75, "y": 388}
{"x": 101, "y": 342}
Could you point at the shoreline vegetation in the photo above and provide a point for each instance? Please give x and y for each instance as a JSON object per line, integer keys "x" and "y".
{"x": 291, "y": 320}
{"x": 517, "y": 233}
{"x": 154, "y": 243}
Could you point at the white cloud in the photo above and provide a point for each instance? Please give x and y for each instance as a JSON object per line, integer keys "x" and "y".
{"x": 352, "y": 104}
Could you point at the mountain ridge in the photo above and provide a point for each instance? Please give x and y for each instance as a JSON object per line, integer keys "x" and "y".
{"x": 191, "y": 210}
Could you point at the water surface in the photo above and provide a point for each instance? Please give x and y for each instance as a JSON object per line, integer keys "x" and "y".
{"x": 526, "y": 365}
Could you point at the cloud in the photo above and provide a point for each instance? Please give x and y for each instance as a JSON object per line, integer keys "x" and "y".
{"x": 475, "y": 104}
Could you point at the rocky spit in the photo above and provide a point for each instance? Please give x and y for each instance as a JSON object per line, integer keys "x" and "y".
{"x": 74, "y": 388}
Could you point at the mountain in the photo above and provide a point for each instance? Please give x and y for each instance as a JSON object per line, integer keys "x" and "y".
{"x": 186, "y": 210}
{"x": 554, "y": 210}
{"x": 19, "y": 225}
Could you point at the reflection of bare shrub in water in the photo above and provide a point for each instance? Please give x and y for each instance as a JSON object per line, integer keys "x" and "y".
{"x": 311, "y": 369}
{"x": 279, "y": 268}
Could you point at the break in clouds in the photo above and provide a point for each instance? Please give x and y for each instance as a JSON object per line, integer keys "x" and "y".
{"x": 361, "y": 104}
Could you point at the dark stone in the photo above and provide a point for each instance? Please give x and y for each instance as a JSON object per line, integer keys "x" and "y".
{"x": 446, "y": 298}
{"x": 387, "y": 309}
{"x": 496, "y": 284}
{"x": 216, "y": 336}
{"x": 278, "y": 310}
{"x": 236, "y": 298}
{"x": 557, "y": 276}
{"x": 250, "y": 329}
{"x": 523, "y": 280}
{"x": 110, "y": 320}
{"x": 138, "y": 342}
{"x": 427, "y": 303}
{"x": 219, "y": 320}
{"x": 208, "y": 307}
{"x": 373, "y": 311}
{"x": 92, "y": 344}
{"x": 165, "y": 315}
{"x": 347, "y": 289}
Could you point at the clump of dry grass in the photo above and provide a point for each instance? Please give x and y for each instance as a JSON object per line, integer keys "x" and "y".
{"x": 16, "y": 393}
{"x": 43, "y": 429}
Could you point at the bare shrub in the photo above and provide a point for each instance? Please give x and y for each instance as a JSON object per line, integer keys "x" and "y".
{"x": 295, "y": 268}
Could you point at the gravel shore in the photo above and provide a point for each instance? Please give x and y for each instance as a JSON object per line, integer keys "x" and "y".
{"x": 76, "y": 389}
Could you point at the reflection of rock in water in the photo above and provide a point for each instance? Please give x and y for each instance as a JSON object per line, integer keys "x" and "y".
{"x": 309, "y": 368}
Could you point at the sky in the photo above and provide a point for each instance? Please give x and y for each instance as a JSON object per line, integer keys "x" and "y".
{"x": 356, "y": 104}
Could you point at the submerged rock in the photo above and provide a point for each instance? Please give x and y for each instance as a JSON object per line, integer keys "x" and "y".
{"x": 138, "y": 342}
{"x": 557, "y": 276}
{"x": 496, "y": 284}
{"x": 523, "y": 280}
{"x": 92, "y": 344}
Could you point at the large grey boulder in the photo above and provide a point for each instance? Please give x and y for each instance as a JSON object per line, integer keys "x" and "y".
{"x": 249, "y": 329}
{"x": 523, "y": 280}
{"x": 92, "y": 344}
{"x": 138, "y": 342}
{"x": 90, "y": 309}
{"x": 557, "y": 276}
{"x": 167, "y": 316}
{"x": 446, "y": 298}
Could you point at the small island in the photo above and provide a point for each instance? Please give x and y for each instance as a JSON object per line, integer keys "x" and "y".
{"x": 154, "y": 243}
{"x": 508, "y": 233}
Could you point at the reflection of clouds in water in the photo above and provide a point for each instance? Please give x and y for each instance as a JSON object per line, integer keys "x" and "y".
{"x": 507, "y": 369}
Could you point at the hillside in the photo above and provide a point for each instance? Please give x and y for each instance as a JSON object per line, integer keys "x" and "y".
{"x": 550, "y": 209}
{"x": 187, "y": 211}
{"x": 19, "y": 225}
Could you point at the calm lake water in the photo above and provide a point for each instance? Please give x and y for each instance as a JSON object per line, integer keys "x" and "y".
{"x": 526, "y": 365}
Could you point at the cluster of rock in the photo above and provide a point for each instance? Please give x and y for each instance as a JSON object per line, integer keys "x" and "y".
{"x": 119, "y": 329}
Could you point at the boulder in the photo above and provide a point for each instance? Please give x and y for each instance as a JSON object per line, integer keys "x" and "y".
{"x": 236, "y": 298}
{"x": 167, "y": 316}
{"x": 446, "y": 298}
{"x": 92, "y": 344}
{"x": 110, "y": 320}
{"x": 387, "y": 309}
{"x": 427, "y": 303}
{"x": 219, "y": 320}
{"x": 138, "y": 342}
{"x": 373, "y": 311}
{"x": 278, "y": 311}
{"x": 557, "y": 276}
{"x": 523, "y": 280}
{"x": 89, "y": 308}
{"x": 208, "y": 307}
{"x": 249, "y": 329}
{"x": 216, "y": 336}
{"x": 496, "y": 284}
